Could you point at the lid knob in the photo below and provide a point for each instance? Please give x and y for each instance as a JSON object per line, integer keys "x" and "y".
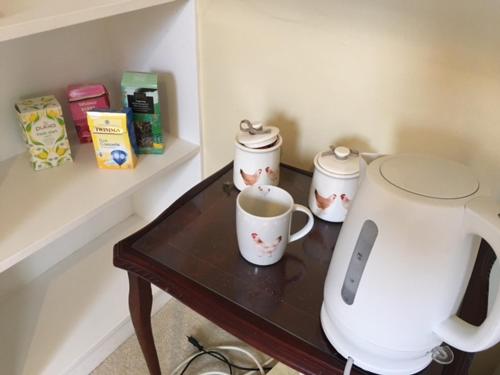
{"x": 256, "y": 135}
{"x": 252, "y": 127}
{"x": 341, "y": 152}
{"x": 340, "y": 160}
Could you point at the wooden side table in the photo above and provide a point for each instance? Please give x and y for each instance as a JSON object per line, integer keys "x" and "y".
{"x": 191, "y": 252}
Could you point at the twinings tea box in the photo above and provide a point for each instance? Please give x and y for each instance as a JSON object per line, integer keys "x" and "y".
{"x": 44, "y": 131}
{"x": 113, "y": 138}
{"x": 84, "y": 98}
{"x": 140, "y": 92}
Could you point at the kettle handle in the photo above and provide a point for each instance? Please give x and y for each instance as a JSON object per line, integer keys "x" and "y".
{"x": 482, "y": 217}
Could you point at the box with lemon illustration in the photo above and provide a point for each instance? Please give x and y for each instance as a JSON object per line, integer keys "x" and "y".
{"x": 114, "y": 138}
{"x": 44, "y": 131}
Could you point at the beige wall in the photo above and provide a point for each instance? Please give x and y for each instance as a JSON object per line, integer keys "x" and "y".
{"x": 369, "y": 74}
{"x": 377, "y": 75}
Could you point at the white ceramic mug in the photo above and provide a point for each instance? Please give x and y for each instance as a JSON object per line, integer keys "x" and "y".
{"x": 263, "y": 221}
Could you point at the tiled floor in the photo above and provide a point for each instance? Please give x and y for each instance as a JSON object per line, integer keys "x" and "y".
{"x": 171, "y": 325}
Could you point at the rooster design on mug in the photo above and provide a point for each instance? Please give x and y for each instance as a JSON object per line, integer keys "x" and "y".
{"x": 324, "y": 202}
{"x": 264, "y": 248}
{"x": 250, "y": 179}
{"x": 264, "y": 191}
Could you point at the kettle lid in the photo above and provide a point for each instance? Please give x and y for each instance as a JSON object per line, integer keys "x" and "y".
{"x": 339, "y": 161}
{"x": 256, "y": 135}
{"x": 429, "y": 176}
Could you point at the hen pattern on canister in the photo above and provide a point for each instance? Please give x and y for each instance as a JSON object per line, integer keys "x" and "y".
{"x": 324, "y": 202}
{"x": 250, "y": 179}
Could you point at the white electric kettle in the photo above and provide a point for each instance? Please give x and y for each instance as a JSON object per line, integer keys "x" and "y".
{"x": 402, "y": 263}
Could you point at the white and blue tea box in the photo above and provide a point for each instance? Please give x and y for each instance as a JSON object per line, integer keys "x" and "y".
{"x": 113, "y": 138}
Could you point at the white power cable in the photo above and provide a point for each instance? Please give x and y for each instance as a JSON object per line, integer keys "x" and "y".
{"x": 348, "y": 366}
{"x": 269, "y": 361}
{"x": 183, "y": 363}
{"x": 234, "y": 348}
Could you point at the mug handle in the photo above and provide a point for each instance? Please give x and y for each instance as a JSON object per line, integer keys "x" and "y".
{"x": 307, "y": 228}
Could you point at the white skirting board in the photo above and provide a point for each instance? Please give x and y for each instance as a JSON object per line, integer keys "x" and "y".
{"x": 95, "y": 355}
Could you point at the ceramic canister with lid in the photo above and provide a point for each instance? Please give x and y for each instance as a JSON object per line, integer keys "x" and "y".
{"x": 257, "y": 155}
{"x": 334, "y": 183}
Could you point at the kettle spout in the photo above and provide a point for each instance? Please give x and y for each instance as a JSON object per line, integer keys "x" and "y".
{"x": 365, "y": 158}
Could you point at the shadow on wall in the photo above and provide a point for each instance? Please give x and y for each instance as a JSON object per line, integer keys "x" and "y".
{"x": 433, "y": 141}
{"x": 167, "y": 89}
{"x": 290, "y": 131}
{"x": 357, "y": 143}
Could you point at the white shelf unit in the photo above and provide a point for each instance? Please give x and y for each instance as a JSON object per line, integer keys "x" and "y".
{"x": 75, "y": 191}
{"x": 57, "y": 319}
{"x": 63, "y": 306}
{"x": 22, "y": 18}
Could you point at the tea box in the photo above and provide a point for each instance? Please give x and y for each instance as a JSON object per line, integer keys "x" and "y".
{"x": 140, "y": 92}
{"x": 84, "y": 98}
{"x": 113, "y": 138}
{"x": 44, "y": 131}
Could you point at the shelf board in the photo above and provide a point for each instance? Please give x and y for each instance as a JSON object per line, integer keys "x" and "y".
{"x": 50, "y": 324}
{"x": 40, "y": 207}
{"x": 22, "y": 18}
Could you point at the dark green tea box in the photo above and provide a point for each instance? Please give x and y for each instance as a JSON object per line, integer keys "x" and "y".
{"x": 140, "y": 92}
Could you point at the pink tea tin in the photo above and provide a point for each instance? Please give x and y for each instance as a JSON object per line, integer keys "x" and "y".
{"x": 84, "y": 98}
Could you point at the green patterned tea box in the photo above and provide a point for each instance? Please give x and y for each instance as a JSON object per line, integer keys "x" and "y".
{"x": 44, "y": 131}
{"x": 140, "y": 92}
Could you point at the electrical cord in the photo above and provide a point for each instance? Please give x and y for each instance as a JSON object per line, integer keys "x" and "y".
{"x": 200, "y": 347}
{"x": 212, "y": 352}
{"x": 216, "y": 355}
{"x": 348, "y": 366}
{"x": 268, "y": 362}
{"x": 235, "y": 348}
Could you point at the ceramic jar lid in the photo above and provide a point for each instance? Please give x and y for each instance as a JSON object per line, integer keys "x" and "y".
{"x": 256, "y": 135}
{"x": 339, "y": 161}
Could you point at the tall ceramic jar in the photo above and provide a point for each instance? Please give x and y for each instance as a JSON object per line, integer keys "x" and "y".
{"x": 257, "y": 155}
{"x": 334, "y": 183}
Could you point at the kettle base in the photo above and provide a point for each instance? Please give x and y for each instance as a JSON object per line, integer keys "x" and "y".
{"x": 372, "y": 361}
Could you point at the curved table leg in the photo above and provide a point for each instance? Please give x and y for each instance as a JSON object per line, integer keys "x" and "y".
{"x": 140, "y": 301}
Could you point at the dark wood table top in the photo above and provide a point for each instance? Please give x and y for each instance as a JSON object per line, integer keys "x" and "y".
{"x": 191, "y": 252}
